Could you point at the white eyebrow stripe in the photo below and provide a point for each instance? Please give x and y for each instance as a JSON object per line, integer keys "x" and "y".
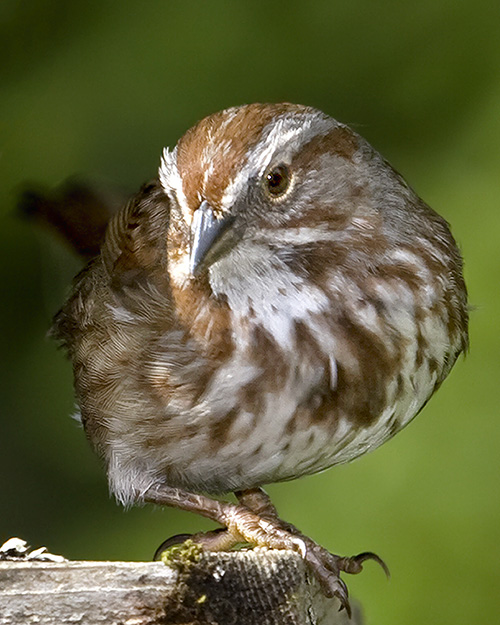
{"x": 284, "y": 137}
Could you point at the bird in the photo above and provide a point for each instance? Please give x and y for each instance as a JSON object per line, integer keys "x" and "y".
{"x": 277, "y": 301}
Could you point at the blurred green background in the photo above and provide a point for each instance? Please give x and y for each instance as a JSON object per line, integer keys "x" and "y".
{"x": 97, "y": 89}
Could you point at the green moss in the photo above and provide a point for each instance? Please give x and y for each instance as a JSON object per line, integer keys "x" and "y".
{"x": 182, "y": 557}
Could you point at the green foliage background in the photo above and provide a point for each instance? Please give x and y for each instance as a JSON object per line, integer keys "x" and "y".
{"x": 97, "y": 88}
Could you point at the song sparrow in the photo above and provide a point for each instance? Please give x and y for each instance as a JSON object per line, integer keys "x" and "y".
{"x": 279, "y": 301}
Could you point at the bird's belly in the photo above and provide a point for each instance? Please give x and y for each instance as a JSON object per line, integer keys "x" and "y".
{"x": 216, "y": 452}
{"x": 286, "y": 415}
{"x": 269, "y": 453}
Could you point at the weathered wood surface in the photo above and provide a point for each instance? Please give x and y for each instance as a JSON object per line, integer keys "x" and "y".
{"x": 249, "y": 587}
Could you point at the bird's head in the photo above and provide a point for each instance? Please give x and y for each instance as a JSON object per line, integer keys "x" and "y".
{"x": 275, "y": 173}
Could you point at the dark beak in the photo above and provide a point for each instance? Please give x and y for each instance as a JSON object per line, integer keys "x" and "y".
{"x": 206, "y": 237}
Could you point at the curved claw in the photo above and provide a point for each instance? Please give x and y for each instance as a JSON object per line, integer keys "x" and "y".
{"x": 354, "y": 564}
{"x": 325, "y": 567}
{"x": 345, "y": 605}
{"x": 342, "y": 595}
{"x": 220, "y": 539}
{"x": 333, "y": 586}
{"x": 178, "y": 539}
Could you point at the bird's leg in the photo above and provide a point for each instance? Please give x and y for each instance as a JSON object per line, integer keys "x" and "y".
{"x": 242, "y": 525}
{"x": 222, "y": 539}
{"x": 255, "y": 521}
{"x": 258, "y": 501}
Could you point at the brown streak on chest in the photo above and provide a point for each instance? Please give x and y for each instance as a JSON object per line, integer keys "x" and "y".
{"x": 206, "y": 319}
{"x": 365, "y": 366}
{"x": 274, "y": 369}
{"x": 220, "y": 432}
{"x": 362, "y": 380}
{"x": 318, "y": 407}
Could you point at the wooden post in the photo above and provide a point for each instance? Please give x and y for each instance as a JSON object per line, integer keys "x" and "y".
{"x": 257, "y": 587}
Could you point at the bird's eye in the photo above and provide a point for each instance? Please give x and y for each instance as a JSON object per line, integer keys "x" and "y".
{"x": 277, "y": 180}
